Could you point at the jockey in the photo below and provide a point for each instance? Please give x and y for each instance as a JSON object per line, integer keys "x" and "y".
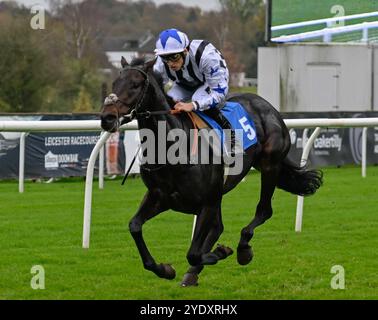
{"x": 198, "y": 71}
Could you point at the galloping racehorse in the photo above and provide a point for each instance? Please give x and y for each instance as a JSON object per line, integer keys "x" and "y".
{"x": 198, "y": 188}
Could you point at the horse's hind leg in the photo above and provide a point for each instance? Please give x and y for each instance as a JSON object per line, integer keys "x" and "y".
{"x": 150, "y": 207}
{"x": 269, "y": 178}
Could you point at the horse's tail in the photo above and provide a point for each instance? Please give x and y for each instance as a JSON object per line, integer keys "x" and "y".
{"x": 299, "y": 179}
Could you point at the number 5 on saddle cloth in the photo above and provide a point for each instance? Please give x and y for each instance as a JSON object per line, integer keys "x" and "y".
{"x": 240, "y": 121}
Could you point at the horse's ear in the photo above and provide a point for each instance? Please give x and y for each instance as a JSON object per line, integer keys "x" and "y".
{"x": 124, "y": 62}
{"x": 149, "y": 65}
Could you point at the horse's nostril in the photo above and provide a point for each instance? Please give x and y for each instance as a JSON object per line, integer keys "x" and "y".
{"x": 109, "y": 122}
{"x": 109, "y": 118}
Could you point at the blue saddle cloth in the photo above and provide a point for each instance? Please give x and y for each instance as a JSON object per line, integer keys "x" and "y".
{"x": 239, "y": 120}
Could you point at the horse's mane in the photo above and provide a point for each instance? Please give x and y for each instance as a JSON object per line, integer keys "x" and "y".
{"x": 140, "y": 61}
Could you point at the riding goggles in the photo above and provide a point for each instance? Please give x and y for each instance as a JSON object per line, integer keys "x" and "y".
{"x": 172, "y": 57}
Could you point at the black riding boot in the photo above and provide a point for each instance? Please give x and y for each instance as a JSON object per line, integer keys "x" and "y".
{"x": 218, "y": 116}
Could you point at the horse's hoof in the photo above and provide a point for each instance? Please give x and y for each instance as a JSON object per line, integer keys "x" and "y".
{"x": 222, "y": 251}
{"x": 245, "y": 255}
{"x": 189, "y": 280}
{"x": 166, "y": 271}
{"x": 209, "y": 258}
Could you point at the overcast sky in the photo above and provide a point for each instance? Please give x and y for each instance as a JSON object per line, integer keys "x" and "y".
{"x": 203, "y": 4}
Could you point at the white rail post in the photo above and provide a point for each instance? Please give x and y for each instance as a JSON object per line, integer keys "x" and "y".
{"x": 88, "y": 188}
{"x": 327, "y": 36}
{"x": 363, "y": 152}
{"x": 101, "y": 168}
{"x": 21, "y": 164}
{"x": 365, "y": 32}
{"x": 306, "y": 152}
{"x": 304, "y": 139}
{"x": 89, "y": 180}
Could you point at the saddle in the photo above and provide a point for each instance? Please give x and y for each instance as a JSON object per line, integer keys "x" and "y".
{"x": 197, "y": 121}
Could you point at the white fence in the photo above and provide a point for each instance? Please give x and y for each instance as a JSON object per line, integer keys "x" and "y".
{"x": 329, "y": 30}
{"x": 94, "y": 125}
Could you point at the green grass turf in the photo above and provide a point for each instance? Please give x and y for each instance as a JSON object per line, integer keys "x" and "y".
{"x": 43, "y": 226}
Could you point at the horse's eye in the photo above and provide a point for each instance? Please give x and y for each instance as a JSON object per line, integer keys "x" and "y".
{"x": 135, "y": 85}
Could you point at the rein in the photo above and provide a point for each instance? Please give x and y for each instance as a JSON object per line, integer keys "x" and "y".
{"x": 147, "y": 114}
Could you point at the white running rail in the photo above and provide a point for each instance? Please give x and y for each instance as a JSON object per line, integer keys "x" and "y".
{"x": 329, "y": 29}
{"x": 327, "y": 21}
{"x": 327, "y": 33}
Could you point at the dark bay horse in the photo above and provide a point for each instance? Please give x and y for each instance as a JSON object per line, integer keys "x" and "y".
{"x": 198, "y": 188}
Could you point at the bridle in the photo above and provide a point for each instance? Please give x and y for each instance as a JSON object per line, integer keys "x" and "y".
{"x": 135, "y": 114}
{"x": 114, "y": 99}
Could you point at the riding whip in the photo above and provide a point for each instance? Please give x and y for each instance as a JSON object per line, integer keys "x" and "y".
{"x": 131, "y": 165}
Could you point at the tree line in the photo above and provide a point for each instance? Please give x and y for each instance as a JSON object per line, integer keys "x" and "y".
{"x": 59, "y": 68}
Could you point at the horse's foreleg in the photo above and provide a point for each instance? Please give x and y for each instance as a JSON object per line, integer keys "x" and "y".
{"x": 269, "y": 177}
{"x": 149, "y": 208}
